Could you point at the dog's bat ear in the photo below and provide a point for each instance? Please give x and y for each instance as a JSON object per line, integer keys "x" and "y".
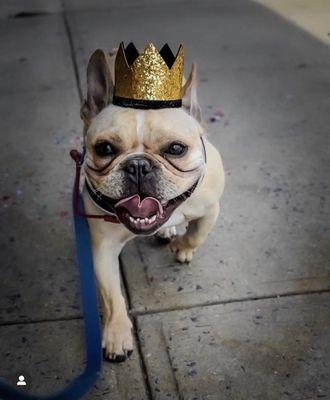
{"x": 99, "y": 85}
{"x": 189, "y": 99}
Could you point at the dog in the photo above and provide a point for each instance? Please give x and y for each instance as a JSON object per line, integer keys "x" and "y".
{"x": 157, "y": 170}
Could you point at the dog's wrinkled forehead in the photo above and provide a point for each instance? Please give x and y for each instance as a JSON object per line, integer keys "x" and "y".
{"x": 149, "y": 126}
{"x": 113, "y": 119}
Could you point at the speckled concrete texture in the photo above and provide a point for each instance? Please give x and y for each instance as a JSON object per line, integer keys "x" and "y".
{"x": 50, "y": 354}
{"x": 265, "y": 349}
{"x": 249, "y": 317}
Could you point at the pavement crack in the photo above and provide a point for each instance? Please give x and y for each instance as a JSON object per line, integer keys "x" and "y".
{"x": 142, "y": 362}
{"x": 42, "y": 321}
{"x": 73, "y": 54}
{"x": 169, "y": 359}
{"x": 137, "y": 313}
{"x": 28, "y": 14}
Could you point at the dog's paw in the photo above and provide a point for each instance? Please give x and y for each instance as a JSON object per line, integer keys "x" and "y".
{"x": 183, "y": 251}
{"x": 117, "y": 340}
{"x": 166, "y": 234}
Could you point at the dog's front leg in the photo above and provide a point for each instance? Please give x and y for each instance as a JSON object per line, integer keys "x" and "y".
{"x": 117, "y": 327}
{"x": 198, "y": 229}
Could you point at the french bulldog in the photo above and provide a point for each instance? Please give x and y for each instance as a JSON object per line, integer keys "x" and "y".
{"x": 157, "y": 170}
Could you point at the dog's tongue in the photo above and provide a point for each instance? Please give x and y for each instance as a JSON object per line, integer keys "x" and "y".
{"x": 140, "y": 209}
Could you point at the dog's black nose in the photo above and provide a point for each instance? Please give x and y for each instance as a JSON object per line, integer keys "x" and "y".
{"x": 137, "y": 168}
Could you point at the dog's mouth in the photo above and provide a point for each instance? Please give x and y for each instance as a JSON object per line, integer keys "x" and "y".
{"x": 141, "y": 217}
{"x": 147, "y": 215}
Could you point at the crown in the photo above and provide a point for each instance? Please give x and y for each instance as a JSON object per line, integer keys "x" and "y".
{"x": 152, "y": 79}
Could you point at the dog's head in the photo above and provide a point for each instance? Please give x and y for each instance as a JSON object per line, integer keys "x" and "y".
{"x": 144, "y": 162}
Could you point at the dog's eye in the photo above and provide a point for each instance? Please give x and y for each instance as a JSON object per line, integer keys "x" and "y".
{"x": 104, "y": 149}
{"x": 176, "y": 149}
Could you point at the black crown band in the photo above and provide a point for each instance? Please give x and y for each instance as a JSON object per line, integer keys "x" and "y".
{"x": 146, "y": 104}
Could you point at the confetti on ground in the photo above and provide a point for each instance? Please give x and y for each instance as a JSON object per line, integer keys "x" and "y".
{"x": 58, "y": 140}
{"x": 19, "y": 192}
{"x": 217, "y": 115}
{"x": 5, "y": 197}
{"x": 64, "y": 213}
{"x": 76, "y": 141}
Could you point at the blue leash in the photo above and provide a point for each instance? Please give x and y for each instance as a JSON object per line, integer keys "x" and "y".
{"x": 80, "y": 385}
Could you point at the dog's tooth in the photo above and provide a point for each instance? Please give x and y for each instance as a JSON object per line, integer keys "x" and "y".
{"x": 153, "y": 218}
{"x": 136, "y": 221}
{"x": 131, "y": 219}
{"x": 146, "y": 221}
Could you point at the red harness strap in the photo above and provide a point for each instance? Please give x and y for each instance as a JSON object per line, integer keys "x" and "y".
{"x": 79, "y": 159}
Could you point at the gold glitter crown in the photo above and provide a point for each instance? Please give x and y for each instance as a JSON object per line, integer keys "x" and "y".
{"x": 152, "y": 79}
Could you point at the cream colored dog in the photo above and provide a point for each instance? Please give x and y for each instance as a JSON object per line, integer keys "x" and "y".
{"x": 155, "y": 169}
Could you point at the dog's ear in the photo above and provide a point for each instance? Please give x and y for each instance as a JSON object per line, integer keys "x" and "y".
{"x": 189, "y": 99}
{"x": 99, "y": 85}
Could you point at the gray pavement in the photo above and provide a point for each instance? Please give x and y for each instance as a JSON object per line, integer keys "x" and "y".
{"x": 249, "y": 317}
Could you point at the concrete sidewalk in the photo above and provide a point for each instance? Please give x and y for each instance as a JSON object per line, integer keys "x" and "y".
{"x": 249, "y": 317}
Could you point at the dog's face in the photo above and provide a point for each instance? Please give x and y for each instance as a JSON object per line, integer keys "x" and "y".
{"x": 146, "y": 162}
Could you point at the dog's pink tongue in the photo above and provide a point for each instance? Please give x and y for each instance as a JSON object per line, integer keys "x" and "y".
{"x": 140, "y": 209}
